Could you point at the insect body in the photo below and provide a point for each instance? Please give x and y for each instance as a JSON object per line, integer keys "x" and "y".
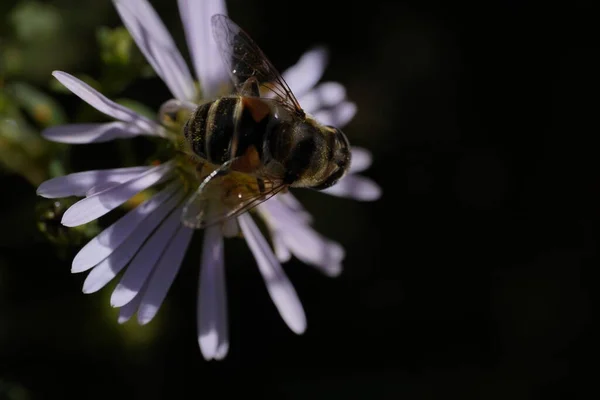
{"x": 257, "y": 141}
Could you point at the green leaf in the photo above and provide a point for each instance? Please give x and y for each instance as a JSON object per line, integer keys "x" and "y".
{"x": 123, "y": 63}
{"x": 33, "y": 21}
{"x": 40, "y": 107}
{"x": 116, "y": 45}
{"x": 11, "y": 60}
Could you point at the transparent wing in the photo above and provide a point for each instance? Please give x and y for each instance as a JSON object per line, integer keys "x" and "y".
{"x": 246, "y": 61}
{"x": 224, "y": 194}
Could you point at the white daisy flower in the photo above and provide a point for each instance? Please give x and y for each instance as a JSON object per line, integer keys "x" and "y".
{"x": 149, "y": 242}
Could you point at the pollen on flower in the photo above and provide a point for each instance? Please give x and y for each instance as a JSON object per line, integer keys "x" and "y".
{"x": 137, "y": 199}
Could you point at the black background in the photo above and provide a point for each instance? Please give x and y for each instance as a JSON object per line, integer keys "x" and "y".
{"x": 472, "y": 276}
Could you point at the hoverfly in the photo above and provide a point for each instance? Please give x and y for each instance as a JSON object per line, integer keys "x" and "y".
{"x": 256, "y": 142}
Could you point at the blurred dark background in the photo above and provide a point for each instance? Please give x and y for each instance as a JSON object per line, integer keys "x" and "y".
{"x": 472, "y": 277}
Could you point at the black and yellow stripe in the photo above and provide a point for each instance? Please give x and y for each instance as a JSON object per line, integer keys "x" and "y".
{"x": 229, "y": 127}
{"x": 261, "y": 138}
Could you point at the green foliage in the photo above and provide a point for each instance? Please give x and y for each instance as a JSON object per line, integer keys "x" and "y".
{"x": 36, "y": 42}
{"x": 49, "y": 213}
{"x": 122, "y": 61}
{"x": 115, "y": 45}
{"x": 33, "y": 21}
{"x": 39, "y": 38}
{"x": 40, "y": 107}
{"x": 23, "y": 110}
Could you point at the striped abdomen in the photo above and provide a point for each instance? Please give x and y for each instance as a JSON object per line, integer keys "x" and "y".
{"x": 230, "y": 127}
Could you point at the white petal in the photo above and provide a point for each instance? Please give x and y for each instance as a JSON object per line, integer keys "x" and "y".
{"x": 305, "y": 74}
{"x": 127, "y": 311}
{"x": 281, "y": 251}
{"x": 327, "y": 94}
{"x": 106, "y": 106}
{"x": 155, "y": 42}
{"x": 274, "y": 209}
{"x": 212, "y": 296}
{"x": 206, "y": 58}
{"x": 164, "y": 275}
{"x": 361, "y": 160}
{"x": 144, "y": 261}
{"x": 112, "y": 237}
{"x": 79, "y": 183}
{"x": 338, "y": 116}
{"x": 313, "y": 249}
{"x": 91, "y": 133}
{"x": 100, "y": 188}
{"x": 355, "y": 187}
{"x": 290, "y": 201}
{"x": 94, "y": 207}
{"x": 118, "y": 259}
{"x": 222, "y": 350}
{"x": 230, "y": 228}
{"x": 101, "y": 275}
{"x": 302, "y": 240}
{"x": 278, "y": 285}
